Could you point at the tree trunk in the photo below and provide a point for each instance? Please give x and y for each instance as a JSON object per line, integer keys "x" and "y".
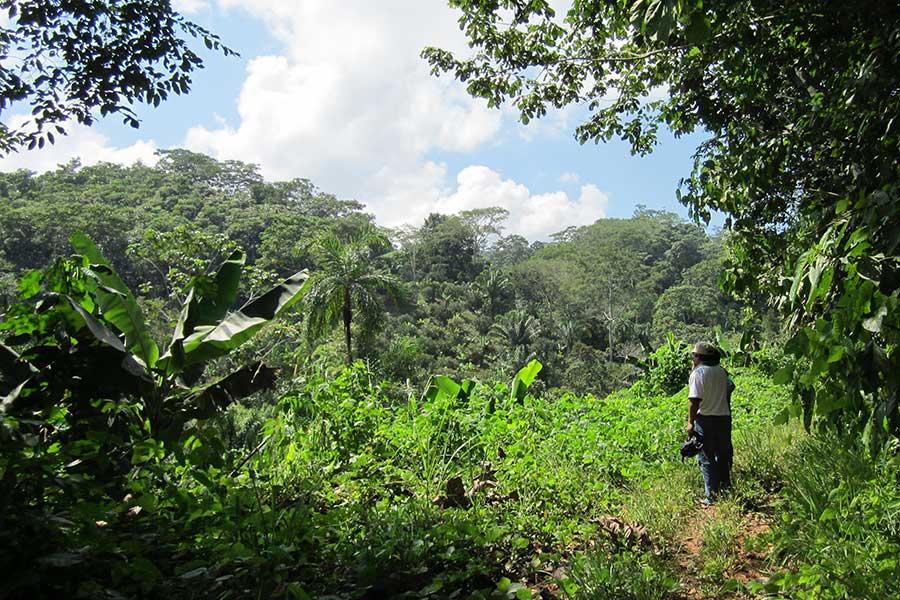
{"x": 348, "y": 317}
{"x": 611, "y": 320}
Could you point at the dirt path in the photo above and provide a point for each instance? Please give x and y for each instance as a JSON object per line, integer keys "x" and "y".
{"x": 740, "y": 564}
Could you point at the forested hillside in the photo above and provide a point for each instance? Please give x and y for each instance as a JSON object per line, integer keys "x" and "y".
{"x": 592, "y": 304}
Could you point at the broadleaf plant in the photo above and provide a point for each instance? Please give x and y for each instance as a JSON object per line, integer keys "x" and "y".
{"x": 86, "y": 339}
{"x": 523, "y": 380}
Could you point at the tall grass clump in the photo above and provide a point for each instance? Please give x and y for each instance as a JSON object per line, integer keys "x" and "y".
{"x": 761, "y": 458}
{"x": 664, "y": 502}
{"x": 840, "y": 530}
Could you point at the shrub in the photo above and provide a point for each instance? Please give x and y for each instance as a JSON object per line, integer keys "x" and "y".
{"x": 769, "y": 359}
{"x": 669, "y": 367}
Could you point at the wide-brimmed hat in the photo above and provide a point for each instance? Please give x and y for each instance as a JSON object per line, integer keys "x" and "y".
{"x": 705, "y": 350}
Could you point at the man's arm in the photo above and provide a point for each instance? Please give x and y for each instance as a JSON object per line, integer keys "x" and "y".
{"x": 692, "y": 414}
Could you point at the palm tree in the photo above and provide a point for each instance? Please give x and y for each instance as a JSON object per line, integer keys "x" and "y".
{"x": 517, "y": 331}
{"x": 493, "y": 287}
{"x": 347, "y": 280}
{"x": 569, "y": 334}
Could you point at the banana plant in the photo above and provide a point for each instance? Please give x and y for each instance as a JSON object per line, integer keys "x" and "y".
{"x": 85, "y": 339}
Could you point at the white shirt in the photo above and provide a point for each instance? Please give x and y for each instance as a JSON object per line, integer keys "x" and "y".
{"x": 710, "y": 384}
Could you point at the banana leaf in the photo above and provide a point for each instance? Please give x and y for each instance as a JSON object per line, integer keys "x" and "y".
{"x": 523, "y": 380}
{"x": 205, "y": 401}
{"x": 107, "y": 337}
{"x": 212, "y": 341}
{"x": 117, "y": 304}
{"x": 203, "y": 310}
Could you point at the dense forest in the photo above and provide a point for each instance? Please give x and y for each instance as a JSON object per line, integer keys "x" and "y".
{"x": 464, "y": 299}
{"x": 214, "y": 385}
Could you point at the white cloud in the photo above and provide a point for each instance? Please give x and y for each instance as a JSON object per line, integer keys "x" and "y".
{"x": 534, "y": 216}
{"x": 569, "y": 177}
{"x": 82, "y": 142}
{"x": 190, "y": 6}
{"x": 349, "y": 99}
{"x": 408, "y": 196}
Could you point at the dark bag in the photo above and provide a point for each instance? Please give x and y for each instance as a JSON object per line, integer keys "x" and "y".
{"x": 692, "y": 447}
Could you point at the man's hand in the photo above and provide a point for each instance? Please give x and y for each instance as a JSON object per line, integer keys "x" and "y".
{"x": 689, "y": 429}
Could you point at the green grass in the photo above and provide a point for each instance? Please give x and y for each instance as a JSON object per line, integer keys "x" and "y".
{"x": 760, "y": 461}
{"x": 340, "y": 499}
{"x": 720, "y": 547}
{"x": 560, "y": 463}
{"x": 839, "y": 530}
{"x": 664, "y": 501}
{"x": 627, "y": 575}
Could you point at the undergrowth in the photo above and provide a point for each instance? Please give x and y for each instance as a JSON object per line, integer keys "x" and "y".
{"x": 347, "y": 492}
{"x": 839, "y": 529}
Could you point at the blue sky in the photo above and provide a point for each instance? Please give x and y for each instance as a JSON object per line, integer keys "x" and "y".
{"x": 336, "y": 93}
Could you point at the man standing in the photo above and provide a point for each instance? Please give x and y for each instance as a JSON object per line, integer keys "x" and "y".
{"x": 709, "y": 416}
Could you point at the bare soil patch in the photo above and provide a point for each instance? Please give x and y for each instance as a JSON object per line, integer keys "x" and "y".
{"x": 749, "y": 565}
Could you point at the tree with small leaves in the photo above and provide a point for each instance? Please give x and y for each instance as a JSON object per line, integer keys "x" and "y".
{"x": 65, "y": 61}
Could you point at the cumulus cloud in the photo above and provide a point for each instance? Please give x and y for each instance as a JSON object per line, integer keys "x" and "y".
{"x": 351, "y": 105}
{"x": 349, "y": 94}
{"x": 82, "y": 142}
{"x": 534, "y": 216}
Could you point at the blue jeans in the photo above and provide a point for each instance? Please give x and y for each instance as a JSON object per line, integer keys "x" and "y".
{"x": 717, "y": 455}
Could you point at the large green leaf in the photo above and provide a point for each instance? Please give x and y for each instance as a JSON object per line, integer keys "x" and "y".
{"x": 100, "y": 331}
{"x": 117, "y": 304}
{"x": 659, "y": 20}
{"x": 211, "y": 341}
{"x": 106, "y": 336}
{"x": 442, "y": 387}
{"x": 204, "y": 309}
{"x": 523, "y": 380}
{"x": 215, "y": 302}
{"x": 206, "y": 400}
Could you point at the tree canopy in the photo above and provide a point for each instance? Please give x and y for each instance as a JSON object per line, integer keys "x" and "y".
{"x": 798, "y": 102}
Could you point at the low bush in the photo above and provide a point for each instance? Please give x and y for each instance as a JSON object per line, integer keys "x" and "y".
{"x": 629, "y": 575}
